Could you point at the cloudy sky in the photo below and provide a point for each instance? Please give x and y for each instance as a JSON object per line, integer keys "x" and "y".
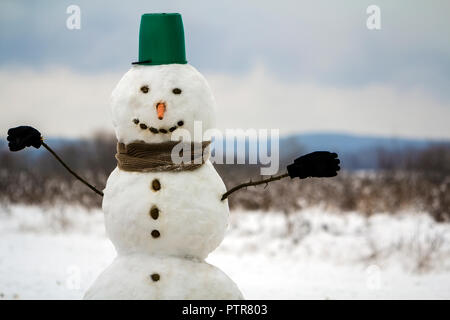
{"x": 298, "y": 66}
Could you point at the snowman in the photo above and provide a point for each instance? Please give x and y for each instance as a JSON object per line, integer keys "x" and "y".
{"x": 164, "y": 217}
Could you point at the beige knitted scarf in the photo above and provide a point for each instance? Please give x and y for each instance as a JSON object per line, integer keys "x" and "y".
{"x": 156, "y": 157}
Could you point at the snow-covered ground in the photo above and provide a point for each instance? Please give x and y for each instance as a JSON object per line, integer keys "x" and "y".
{"x": 56, "y": 253}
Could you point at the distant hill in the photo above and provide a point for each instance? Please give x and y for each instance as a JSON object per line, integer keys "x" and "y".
{"x": 355, "y": 151}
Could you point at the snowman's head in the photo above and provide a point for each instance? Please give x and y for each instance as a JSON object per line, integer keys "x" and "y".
{"x": 152, "y": 103}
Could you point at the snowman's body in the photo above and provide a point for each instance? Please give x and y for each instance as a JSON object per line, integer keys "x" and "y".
{"x": 128, "y": 277}
{"x": 162, "y": 235}
{"x": 188, "y": 214}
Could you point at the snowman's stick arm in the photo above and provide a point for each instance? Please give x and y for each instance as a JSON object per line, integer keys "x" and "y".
{"x": 253, "y": 183}
{"x": 71, "y": 171}
{"x": 319, "y": 164}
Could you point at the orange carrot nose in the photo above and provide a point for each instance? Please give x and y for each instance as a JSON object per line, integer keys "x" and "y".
{"x": 160, "y": 109}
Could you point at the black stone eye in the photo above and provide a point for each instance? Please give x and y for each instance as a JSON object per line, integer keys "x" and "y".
{"x": 176, "y": 91}
{"x": 145, "y": 89}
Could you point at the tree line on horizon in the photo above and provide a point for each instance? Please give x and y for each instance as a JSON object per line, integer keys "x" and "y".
{"x": 407, "y": 179}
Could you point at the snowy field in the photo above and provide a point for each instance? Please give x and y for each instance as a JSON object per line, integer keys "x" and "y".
{"x": 56, "y": 253}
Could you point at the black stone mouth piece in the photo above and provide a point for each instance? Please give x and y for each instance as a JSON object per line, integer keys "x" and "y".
{"x": 143, "y": 126}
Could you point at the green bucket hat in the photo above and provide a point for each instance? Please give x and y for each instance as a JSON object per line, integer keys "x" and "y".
{"x": 161, "y": 39}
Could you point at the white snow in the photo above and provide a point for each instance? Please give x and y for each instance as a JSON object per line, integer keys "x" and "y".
{"x": 48, "y": 255}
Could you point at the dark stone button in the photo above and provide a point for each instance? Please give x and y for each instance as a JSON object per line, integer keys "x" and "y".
{"x": 154, "y": 212}
{"x": 156, "y": 185}
{"x": 155, "y": 277}
{"x": 155, "y": 234}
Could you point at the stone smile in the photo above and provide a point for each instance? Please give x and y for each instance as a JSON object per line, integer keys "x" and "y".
{"x": 143, "y": 126}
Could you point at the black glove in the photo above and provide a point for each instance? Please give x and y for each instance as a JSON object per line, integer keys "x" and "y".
{"x": 316, "y": 164}
{"x": 23, "y": 136}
